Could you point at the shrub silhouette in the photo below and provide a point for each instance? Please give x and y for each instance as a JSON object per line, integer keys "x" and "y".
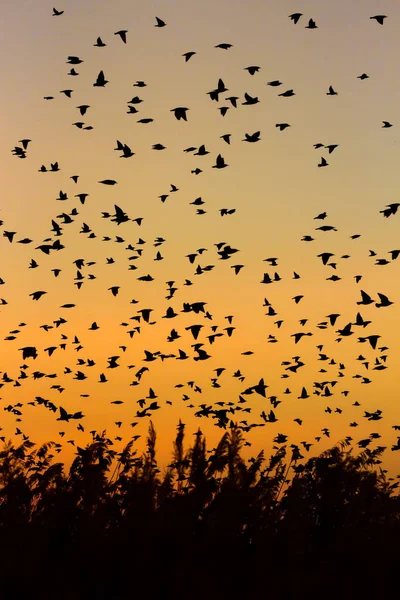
{"x": 210, "y": 526}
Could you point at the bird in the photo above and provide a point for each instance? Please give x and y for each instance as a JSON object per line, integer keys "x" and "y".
{"x": 254, "y": 137}
{"x": 201, "y": 151}
{"x": 122, "y": 33}
{"x": 160, "y": 23}
{"x": 287, "y": 94}
{"x": 365, "y": 298}
{"x": 24, "y": 143}
{"x": 311, "y": 25}
{"x": 331, "y": 147}
{"x": 295, "y": 17}
{"x": 74, "y": 60}
{"x": 252, "y": 70}
{"x": 379, "y": 18}
{"x": 391, "y": 209}
{"x": 99, "y": 43}
{"x": 57, "y": 13}
{"x": 384, "y": 301}
{"x": 37, "y": 295}
{"x": 220, "y": 163}
{"x": 188, "y": 55}
{"x": 249, "y": 99}
{"x": 325, "y": 256}
{"x": 180, "y": 113}
{"x": 101, "y": 81}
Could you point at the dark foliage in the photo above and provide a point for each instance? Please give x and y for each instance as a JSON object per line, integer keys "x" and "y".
{"x": 211, "y": 526}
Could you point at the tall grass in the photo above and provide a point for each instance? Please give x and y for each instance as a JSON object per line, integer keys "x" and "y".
{"x": 209, "y": 526}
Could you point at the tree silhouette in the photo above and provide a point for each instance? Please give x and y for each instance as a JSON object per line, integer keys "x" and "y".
{"x": 114, "y": 526}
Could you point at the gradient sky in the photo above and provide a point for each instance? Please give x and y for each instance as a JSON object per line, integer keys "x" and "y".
{"x": 275, "y": 186}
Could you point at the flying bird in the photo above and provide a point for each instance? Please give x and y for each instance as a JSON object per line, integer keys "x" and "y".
{"x": 295, "y": 17}
{"x": 287, "y": 94}
{"x": 101, "y": 80}
{"x": 331, "y": 92}
{"x": 254, "y": 137}
{"x": 188, "y": 55}
{"x": 365, "y": 298}
{"x": 252, "y": 70}
{"x": 311, "y": 25}
{"x": 180, "y": 113}
{"x": 220, "y": 163}
{"x": 391, "y": 209}
{"x": 384, "y": 301}
{"x": 37, "y": 295}
{"x": 99, "y": 43}
{"x": 379, "y": 18}
{"x": 122, "y": 33}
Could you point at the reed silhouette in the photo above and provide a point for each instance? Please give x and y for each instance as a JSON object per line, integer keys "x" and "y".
{"x": 210, "y": 526}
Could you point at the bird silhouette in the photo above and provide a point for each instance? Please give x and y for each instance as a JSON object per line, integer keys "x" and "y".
{"x": 180, "y": 113}
{"x": 224, "y": 46}
{"x": 311, "y": 25}
{"x": 379, "y": 18}
{"x": 331, "y": 92}
{"x": 384, "y": 301}
{"x": 254, "y": 137}
{"x": 220, "y": 162}
{"x": 101, "y": 81}
{"x": 99, "y": 43}
{"x": 365, "y": 298}
{"x": 188, "y": 55}
{"x": 295, "y": 17}
{"x": 252, "y": 70}
{"x": 122, "y": 34}
{"x": 287, "y": 94}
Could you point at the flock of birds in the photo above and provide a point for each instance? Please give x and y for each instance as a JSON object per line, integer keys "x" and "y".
{"x": 203, "y": 332}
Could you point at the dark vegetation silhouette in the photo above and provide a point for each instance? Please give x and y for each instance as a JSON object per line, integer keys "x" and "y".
{"x": 211, "y": 526}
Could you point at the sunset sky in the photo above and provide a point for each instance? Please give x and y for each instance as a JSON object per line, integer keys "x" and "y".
{"x": 274, "y": 185}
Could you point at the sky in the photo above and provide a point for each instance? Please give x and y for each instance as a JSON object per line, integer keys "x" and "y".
{"x": 274, "y": 185}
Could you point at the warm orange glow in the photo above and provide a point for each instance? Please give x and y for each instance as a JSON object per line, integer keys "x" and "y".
{"x": 274, "y": 185}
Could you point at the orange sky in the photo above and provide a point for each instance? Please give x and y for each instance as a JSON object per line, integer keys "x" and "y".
{"x": 274, "y": 185}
